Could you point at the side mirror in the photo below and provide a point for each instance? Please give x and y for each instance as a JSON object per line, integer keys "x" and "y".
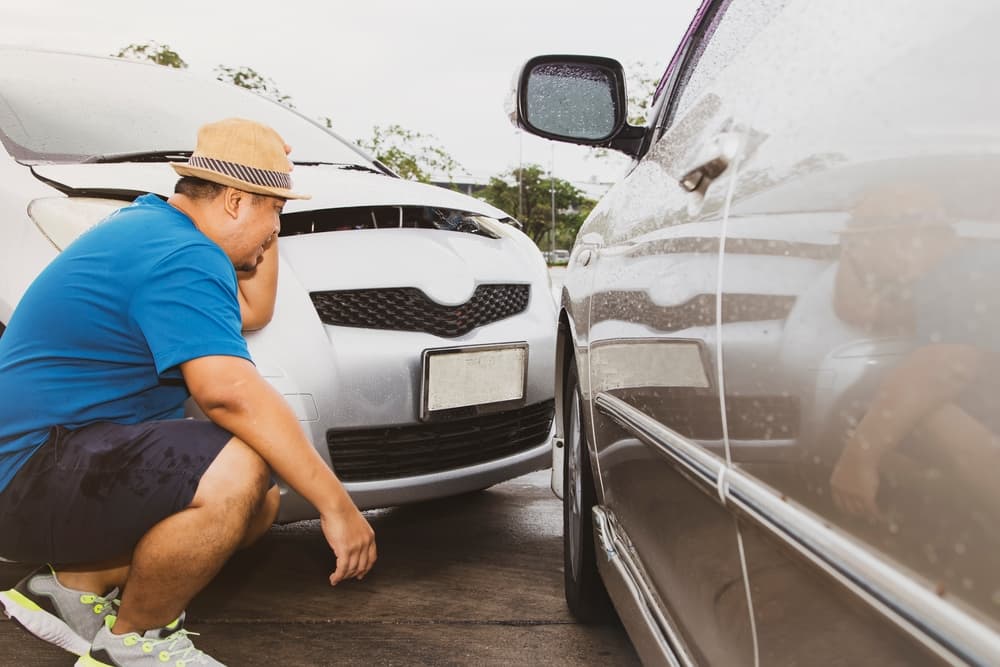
{"x": 575, "y": 99}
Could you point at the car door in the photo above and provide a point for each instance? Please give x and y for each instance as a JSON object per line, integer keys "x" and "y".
{"x": 657, "y": 424}
{"x": 865, "y": 226}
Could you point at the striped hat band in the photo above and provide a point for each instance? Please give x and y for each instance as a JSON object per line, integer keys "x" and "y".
{"x": 255, "y": 175}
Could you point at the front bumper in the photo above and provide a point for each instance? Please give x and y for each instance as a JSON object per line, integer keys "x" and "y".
{"x": 399, "y": 491}
{"x": 341, "y": 378}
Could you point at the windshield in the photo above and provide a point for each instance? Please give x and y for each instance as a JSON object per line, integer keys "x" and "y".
{"x": 58, "y": 107}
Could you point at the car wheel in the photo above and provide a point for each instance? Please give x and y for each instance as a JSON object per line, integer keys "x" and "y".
{"x": 585, "y": 593}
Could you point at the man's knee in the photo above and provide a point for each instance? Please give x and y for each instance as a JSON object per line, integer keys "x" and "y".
{"x": 237, "y": 476}
{"x": 270, "y": 505}
{"x": 264, "y": 518}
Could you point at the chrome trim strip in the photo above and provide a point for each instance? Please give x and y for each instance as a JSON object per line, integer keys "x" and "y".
{"x": 618, "y": 555}
{"x": 704, "y": 466}
{"x": 948, "y": 631}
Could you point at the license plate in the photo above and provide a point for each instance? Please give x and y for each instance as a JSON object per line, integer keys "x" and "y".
{"x": 491, "y": 377}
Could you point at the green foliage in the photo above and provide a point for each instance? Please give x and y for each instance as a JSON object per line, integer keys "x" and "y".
{"x": 532, "y": 204}
{"x": 161, "y": 54}
{"x": 246, "y": 77}
{"x": 640, "y": 84}
{"x": 412, "y": 155}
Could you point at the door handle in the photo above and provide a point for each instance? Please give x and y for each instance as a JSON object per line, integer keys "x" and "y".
{"x": 589, "y": 243}
{"x": 712, "y": 162}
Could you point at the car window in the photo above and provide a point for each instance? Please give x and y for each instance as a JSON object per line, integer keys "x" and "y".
{"x": 725, "y": 32}
{"x": 57, "y": 107}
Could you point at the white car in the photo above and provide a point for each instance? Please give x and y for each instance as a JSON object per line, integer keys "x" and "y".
{"x": 414, "y": 331}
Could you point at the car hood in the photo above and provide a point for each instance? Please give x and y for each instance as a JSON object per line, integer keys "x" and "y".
{"x": 330, "y": 187}
{"x": 446, "y": 265}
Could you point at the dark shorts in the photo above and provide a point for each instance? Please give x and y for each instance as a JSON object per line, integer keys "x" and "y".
{"x": 90, "y": 494}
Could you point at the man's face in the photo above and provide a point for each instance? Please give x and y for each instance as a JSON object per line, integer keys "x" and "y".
{"x": 258, "y": 221}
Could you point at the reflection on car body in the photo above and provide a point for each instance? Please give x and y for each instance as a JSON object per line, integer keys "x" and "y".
{"x": 374, "y": 272}
{"x": 777, "y": 369}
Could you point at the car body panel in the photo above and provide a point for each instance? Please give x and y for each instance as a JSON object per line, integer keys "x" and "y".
{"x": 652, "y": 345}
{"x": 845, "y": 115}
{"x": 923, "y": 151}
{"x": 328, "y": 186}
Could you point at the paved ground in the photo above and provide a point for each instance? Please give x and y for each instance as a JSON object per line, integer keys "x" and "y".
{"x": 473, "y": 580}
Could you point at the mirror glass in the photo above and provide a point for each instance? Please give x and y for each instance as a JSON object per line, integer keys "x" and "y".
{"x": 572, "y": 100}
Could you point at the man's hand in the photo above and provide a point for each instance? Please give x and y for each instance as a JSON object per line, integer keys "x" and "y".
{"x": 353, "y": 542}
{"x": 855, "y": 480}
{"x": 231, "y": 393}
{"x": 258, "y": 289}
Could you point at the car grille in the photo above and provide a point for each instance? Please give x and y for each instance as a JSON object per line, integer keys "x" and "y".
{"x": 404, "y": 451}
{"x": 697, "y": 312}
{"x": 409, "y": 309}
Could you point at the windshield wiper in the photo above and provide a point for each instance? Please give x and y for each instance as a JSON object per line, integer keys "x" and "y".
{"x": 143, "y": 156}
{"x": 340, "y": 165}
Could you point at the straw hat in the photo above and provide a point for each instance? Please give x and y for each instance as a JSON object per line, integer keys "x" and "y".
{"x": 244, "y": 155}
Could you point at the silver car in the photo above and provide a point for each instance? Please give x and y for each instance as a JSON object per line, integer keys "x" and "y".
{"x": 778, "y": 363}
{"x": 413, "y": 333}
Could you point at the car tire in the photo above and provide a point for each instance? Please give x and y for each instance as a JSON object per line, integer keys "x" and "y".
{"x": 586, "y": 596}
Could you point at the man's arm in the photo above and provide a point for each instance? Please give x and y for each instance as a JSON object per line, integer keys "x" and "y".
{"x": 231, "y": 393}
{"x": 258, "y": 289}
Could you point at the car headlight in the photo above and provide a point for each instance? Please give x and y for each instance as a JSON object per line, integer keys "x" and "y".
{"x": 63, "y": 219}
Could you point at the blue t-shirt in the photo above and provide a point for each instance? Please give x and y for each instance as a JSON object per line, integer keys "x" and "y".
{"x": 99, "y": 335}
{"x": 958, "y": 302}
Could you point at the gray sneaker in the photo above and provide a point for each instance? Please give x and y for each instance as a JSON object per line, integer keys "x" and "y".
{"x": 59, "y": 615}
{"x": 165, "y": 646}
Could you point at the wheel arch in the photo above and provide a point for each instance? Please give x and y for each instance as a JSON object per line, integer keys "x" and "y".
{"x": 565, "y": 345}
{"x": 566, "y": 348}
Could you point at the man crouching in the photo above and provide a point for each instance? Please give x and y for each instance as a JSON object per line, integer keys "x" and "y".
{"x": 100, "y": 475}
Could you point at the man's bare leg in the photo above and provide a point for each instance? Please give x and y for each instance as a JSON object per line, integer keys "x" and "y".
{"x": 264, "y": 518}
{"x": 182, "y": 553}
{"x": 962, "y": 445}
{"x": 94, "y": 577}
{"x": 927, "y": 379}
{"x": 103, "y": 576}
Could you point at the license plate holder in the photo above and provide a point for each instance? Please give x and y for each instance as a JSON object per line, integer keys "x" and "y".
{"x": 472, "y": 380}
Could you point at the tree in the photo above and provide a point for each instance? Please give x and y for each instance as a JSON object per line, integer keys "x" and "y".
{"x": 161, "y": 54}
{"x": 572, "y": 206}
{"x": 412, "y": 155}
{"x": 246, "y": 77}
{"x": 640, "y": 85}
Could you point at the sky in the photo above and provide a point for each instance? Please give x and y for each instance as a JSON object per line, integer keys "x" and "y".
{"x": 439, "y": 67}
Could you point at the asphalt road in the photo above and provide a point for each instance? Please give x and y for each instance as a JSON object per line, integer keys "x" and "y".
{"x": 471, "y": 580}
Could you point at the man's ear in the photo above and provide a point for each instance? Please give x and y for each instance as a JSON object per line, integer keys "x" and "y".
{"x": 232, "y": 199}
